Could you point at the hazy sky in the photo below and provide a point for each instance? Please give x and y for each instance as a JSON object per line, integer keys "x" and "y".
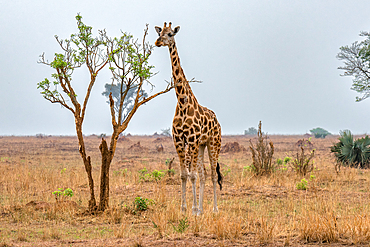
{"x": 273, "y": 61}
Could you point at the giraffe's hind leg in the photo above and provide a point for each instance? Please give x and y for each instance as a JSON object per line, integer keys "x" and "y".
{"x": 202, "y": 177}
{"x": 193, "y": 180}
{"x": 213, "y": 152}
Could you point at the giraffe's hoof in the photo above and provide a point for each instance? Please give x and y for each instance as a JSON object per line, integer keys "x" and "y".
{"x": 215, "y": 209}
{"x": 183, "y": 209}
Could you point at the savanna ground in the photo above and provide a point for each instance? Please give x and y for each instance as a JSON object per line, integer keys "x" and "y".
{"x": 270, "y": 210}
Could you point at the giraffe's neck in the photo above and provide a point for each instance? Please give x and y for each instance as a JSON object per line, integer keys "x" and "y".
{"x": 183, "y": 91}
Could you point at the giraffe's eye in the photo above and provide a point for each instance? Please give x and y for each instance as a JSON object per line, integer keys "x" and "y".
{"x": 169, "y": 35}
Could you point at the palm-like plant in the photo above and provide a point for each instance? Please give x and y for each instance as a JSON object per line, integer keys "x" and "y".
{"x": 353, "y": 153}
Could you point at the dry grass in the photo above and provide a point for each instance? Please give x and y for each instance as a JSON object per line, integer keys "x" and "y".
{"x": 267, "y": 210}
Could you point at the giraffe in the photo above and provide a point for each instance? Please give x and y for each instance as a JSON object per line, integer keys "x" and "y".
{"x": 194, "y": 128}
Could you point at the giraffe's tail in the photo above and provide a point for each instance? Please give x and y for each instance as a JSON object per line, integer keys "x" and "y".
{"x": 219, "y": 175}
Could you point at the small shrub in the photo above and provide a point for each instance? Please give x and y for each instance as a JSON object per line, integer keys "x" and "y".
{"x": 63, "y": 170}
{"x": 169, "y": 163}
{"x": 141, "y": 204}
{"x": 68, "y": 192}
{"x": 142, "y": 173}
{"x": 262, "y": 154}
{"x": 138, "y": 205}
{"x": 155, "y": 175}
{"x": 287, "y": 159}
{"x": 284, "y": 163}
{"x": 60, "y": 193}
{"x": 303, "y": 163}
{"x": 171, "y": 172}
{"x": 302, "y": 185}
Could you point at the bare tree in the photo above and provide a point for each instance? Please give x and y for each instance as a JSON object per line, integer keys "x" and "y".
{"x": 130, "y": 69}
{"x": 128, "y": 62}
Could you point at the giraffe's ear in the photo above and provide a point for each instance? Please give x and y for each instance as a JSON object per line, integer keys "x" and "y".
{"x": 158, "y": 29}
{"x": 176, "y": 30}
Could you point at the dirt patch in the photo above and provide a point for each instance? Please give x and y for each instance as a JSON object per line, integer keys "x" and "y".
{"x": 232, "y": 147}
{"x": 169, "y": 241}
{"x": 60, "y": 205}
{"x": 38, "y": 205}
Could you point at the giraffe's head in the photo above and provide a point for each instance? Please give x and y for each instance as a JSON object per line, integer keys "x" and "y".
{"x": 166, "y": 35}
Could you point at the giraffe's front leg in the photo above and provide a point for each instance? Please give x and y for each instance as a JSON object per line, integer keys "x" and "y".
{"x": 193, "y": 177}
{"x": 184, "y": 172}
{"x": 184, "y": 178}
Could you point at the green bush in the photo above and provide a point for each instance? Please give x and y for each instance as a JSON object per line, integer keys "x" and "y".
{"x": 320, "y": 132}
{"x": 251, "y": 131}
{"x": 350, "y": 152}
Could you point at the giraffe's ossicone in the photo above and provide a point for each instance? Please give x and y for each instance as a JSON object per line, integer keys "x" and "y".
{"x": 194, "y": 128}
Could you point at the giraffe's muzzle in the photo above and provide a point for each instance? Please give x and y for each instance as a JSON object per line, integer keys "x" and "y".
{"x": 158, "y": 43}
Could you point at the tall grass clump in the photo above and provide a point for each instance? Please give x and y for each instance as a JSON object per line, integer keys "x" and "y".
{"x": 262, "y": 153}
{"x": 314, "y": 227}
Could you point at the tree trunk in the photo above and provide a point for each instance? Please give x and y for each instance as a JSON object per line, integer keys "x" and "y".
{"x": 92, "y": 201}
{"x": 87, "y": 164}
{"x": 107, "y": 156}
